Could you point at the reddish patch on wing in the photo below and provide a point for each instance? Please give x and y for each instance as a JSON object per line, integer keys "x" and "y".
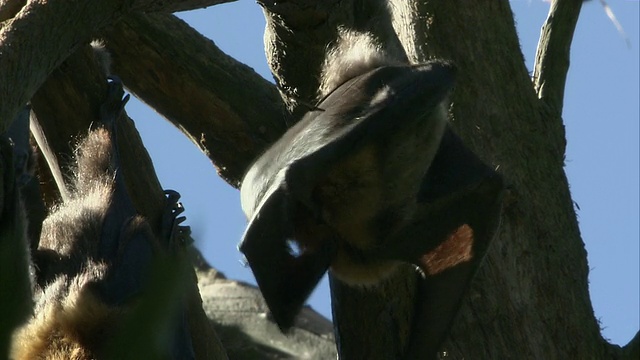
{"x": 456, "y": 249}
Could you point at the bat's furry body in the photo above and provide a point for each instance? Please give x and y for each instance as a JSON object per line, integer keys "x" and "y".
{"x": 371, "y": 194}
{"x": 371, "y": 177}
{"x": 94, "y": 260}
{"x": 346, "y": 177}
{"x": 71, "y": 320}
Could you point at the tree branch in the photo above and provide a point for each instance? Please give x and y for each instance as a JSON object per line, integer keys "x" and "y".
{"x": 9, "y": 8}
{"x": 201, "y": 90}
{"x": 553, "y": 54}
{"x": 631, "y": 351}
{"x": 237, "y": 311}
{"x": 45, "y": 27}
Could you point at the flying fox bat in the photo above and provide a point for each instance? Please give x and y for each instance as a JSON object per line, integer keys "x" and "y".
{"x": 370, "y": 178}
{"x": 94, "y": 260}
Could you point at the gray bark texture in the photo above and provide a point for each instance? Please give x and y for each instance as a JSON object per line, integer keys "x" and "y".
{"x": 530, "y": 297}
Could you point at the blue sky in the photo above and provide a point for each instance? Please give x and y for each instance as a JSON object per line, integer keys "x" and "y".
{"x": 601, "y": 117}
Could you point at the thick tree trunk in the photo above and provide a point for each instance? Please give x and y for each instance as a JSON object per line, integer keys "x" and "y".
{"x": 531, "y": 296}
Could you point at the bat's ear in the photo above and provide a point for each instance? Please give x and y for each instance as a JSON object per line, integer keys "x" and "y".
{"x": 286, "y": 278}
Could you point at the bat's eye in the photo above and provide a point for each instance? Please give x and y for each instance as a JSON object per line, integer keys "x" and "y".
{"x": 294, "y": 248}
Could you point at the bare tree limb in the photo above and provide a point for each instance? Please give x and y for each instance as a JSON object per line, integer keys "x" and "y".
{"x": 9, "y": 8}
{"x": 237, "y": 311}
{"x": 44, "y": 27}
{"x": 222, "y": 105}
{"x": 553, "y": 54}
{"x": 38, "y": 39}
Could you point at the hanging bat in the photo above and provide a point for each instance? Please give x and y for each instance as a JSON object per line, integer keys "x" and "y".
{"x": 370, "y": 178}
{"x": 94, "y": 260}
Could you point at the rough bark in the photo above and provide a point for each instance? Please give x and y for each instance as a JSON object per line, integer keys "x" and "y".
{"x": 514, "y": 307}
{"x": 632, "y": 349}
{"x": 9, "y": 8}
{"x": 163, "y": 6}
{"x": 238, "y": 313}
{"x": 44, "y": 27}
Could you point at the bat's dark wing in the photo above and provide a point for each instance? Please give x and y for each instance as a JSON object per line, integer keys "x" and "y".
{"x": 280, "y": 183}
{"x": 131, "y": 248}
{"x": 460, "y": 207}
{"x": 363, "y": 111}
{"x": 285, "y": 279}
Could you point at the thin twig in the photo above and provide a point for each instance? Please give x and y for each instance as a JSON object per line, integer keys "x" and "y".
{"x": 552, "y": 57}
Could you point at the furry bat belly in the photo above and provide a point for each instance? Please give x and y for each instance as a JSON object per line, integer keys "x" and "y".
{"x": 94, "y": 259}
{"x": 370, "y": 178}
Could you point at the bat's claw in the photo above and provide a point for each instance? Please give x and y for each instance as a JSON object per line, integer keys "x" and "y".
{"x": 175, "y": 233}
{"x": 172, "y": 195}
{"x": 114, "y": 104}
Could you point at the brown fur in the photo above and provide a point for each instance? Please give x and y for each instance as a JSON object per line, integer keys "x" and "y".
{"x": 353, "y": 54}
{"x": 70, "y": 233}
{"x": 364, "y": 183}
{"x": 352, "y": 196}
{"x": 70, "y": 320}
